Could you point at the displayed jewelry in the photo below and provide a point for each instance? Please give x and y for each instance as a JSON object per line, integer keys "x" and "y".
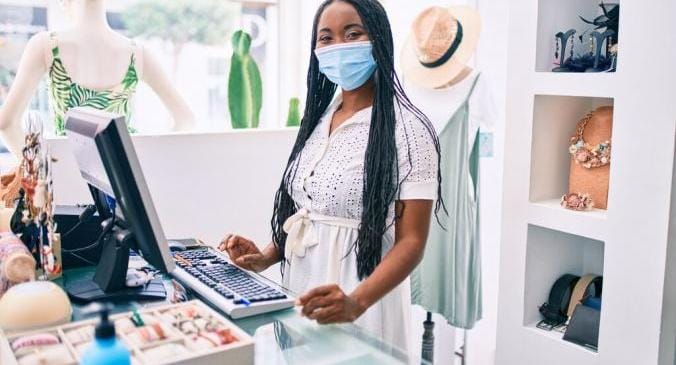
{"x": 189, "y": 331}
{"x": 188, "y": 327}
{"x": 584, "y": 154}
{"x": 205, "y": 330}
{"x": 33, "y": 219}
{"x": 604, "y": 29}
{"x": 577, "y": 201}
{"x": 562, "y": 39}
{"x": 226, "y": 336}
{"x": 591, "y": 45}
{"x": 199, "y": 343}
{"x": 40, "y": 339}
{"x": 150, "y": 333}
{"x": 612, "y": 51}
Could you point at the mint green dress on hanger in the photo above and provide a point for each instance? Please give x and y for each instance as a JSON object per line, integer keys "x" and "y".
{"x": 448, "y": 280}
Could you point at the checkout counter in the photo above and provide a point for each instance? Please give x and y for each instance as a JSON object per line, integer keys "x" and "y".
{"x": 286, "y": 338}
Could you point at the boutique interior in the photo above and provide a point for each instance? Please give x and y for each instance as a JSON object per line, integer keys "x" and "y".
{"x": 479, "y": 182}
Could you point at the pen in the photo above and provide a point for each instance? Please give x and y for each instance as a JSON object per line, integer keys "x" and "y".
{"x": 242, "y": 300}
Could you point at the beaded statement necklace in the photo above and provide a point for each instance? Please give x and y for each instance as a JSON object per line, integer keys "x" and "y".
{"x": 584, "y": 154}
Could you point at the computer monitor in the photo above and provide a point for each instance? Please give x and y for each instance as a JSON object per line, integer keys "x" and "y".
{"x": 108, "y": 163}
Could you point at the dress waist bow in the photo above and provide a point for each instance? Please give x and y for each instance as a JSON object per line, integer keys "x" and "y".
{"x": 301, "y": 233}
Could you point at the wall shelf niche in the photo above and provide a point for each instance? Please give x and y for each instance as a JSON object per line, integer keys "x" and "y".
{"x": 549, "y": 255}
{"x": 560, "y": 16}
{"x": 555, "y": 118}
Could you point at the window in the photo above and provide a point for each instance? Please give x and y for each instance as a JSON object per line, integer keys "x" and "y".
{"x": 191, "y": 39}
{"x": 17, "y": 25}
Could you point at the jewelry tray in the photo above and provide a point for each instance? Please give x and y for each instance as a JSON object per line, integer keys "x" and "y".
{"x": 239, "y": 352}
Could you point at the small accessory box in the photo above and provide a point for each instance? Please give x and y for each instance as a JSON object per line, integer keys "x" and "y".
{"x": 183, "y": 333}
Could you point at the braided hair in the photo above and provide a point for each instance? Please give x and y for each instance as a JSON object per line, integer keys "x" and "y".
{"x": 381, "y": 175}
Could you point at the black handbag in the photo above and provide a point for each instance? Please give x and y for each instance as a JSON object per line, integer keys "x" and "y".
{"x": 583, "y": 328}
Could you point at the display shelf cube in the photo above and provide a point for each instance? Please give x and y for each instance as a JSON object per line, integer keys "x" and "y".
{"x": 549, "y": 255}
{"x": 550, "y": 214}
{"x": 633, "y": 243}
{"x": 555, "y": 118}
{"x": 559, "y": 16}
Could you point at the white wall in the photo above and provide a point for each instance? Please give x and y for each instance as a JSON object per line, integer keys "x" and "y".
{"x": 203, "y": 185}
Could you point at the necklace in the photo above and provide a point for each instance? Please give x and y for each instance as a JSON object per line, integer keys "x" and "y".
{"x": 585, "y": 154}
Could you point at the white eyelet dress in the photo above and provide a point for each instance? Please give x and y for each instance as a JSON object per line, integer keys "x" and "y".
{"x": 327, "y": 189}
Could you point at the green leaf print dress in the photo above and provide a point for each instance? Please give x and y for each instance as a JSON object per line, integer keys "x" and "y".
{"x": 65, "y": 94}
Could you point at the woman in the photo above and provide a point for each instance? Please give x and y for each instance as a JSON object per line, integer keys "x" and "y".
{"x": 354, "y": 160}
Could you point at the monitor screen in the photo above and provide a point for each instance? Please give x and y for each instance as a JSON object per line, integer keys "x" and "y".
{"x": 83, "y": 145}
{"x": 107, "y": 161}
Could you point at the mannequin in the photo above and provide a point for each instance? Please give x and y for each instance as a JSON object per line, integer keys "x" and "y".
{"x": 439, "y": 81}
{"x": 95, "y": 57}
{"x": 483, "y": 111}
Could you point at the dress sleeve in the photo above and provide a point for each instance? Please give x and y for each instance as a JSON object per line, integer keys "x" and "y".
{"x": 418, "y": 159}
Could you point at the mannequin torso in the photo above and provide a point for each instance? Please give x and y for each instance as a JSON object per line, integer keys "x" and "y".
{"x": 93, "y": 62}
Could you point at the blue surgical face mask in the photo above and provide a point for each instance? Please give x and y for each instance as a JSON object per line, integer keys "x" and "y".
{"x": 348, "y": 65}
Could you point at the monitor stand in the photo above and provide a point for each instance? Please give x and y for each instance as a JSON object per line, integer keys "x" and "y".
{"x": 109, "y": 282}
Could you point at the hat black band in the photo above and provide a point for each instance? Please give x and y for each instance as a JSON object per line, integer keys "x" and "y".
{"x": 449, "y": 53}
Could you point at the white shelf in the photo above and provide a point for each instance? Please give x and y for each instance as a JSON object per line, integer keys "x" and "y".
{"x": 600, "y": 85}
{"x": 540, "y": 347}
{"x": 555, "y": 119}
{"x": 557, "y": 337}
{"x": 550, "y": 214}
{"x": 540, "y": 240}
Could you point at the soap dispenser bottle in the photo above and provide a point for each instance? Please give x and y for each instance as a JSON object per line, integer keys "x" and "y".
{"x": 106, "y": 349}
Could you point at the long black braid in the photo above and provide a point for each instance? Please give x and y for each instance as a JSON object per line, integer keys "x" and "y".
{"x": 382, "y": 178}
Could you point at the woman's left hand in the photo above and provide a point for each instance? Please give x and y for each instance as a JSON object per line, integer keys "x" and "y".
{"x": 329, "y": 304}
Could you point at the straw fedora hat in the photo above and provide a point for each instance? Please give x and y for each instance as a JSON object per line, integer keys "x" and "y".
{"x": 441, "y": 42}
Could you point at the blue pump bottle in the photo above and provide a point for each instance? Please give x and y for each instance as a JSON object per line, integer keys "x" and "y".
{"x": 106, "y": 349}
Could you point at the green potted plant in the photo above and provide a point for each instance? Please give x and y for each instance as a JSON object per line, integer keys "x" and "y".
{"x": 293, "y": 118}
{"x": 245, "y": 87}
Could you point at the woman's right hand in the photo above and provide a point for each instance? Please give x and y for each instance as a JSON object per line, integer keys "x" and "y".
{"x": 244, "y": 253}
